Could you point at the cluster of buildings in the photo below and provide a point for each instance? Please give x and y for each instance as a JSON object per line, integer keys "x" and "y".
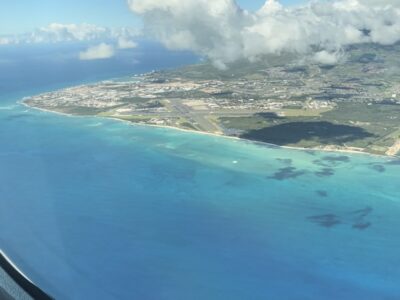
{"x": 275, "y": 88}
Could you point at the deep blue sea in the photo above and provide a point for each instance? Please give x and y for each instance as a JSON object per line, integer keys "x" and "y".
{"x": 93, "y": 208}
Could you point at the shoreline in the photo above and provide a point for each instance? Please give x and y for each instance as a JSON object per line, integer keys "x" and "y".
{"x": 349, "y": 151}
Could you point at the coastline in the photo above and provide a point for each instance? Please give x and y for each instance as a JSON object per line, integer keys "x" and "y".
{"x": 327, "y": 148}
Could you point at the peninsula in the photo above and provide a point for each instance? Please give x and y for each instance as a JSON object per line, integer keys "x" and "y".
{"x": 351, "y": 106}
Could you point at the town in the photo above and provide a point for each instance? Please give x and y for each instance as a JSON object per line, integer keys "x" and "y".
{"x": 253, "y": 100}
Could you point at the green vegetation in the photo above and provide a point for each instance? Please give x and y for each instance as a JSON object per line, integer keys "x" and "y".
{"x": 279, "y": 99}
{"x": 374, "y": 127}
{"x": 187, "y": 125}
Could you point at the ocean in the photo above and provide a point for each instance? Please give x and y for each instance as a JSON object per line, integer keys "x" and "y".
{"x": 93, "y": 208}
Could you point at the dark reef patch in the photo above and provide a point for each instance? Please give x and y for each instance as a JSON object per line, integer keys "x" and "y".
{"x": 331, "y": 161}
{"x": 361, "y": 226}
{"x": 328, "y": 220}
{"x": 356, "y": 219}
{"x": 323, "y": 194}
{"x": 362, "y": 213}
{"x": 335, "y": 159}
{"x": 285, "y": 161}
{"x": 287, "y": 173}
{"x": 325, "y": 172}
{"x": 378, "y": 168}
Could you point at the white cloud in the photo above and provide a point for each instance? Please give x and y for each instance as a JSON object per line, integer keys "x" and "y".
{"x": 222, "y": 31}
{"x": 124, "y": 43}
{"x": 5, "y": 41}
{"x": 56, "y": 33}
{"x": 101, "y": 51}
{"x": 327, "y": 58}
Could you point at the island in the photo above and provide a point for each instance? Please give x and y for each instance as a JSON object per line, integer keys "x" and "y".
{"x": 283, "y": 100}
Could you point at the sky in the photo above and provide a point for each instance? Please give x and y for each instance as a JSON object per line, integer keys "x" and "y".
{"x": 214, "y": 29}
{"x": 20, "y": 16}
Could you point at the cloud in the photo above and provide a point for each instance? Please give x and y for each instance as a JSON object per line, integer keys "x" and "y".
{"x": 59, "y": 33}
{"x": 124, "y": 43}
{"x": 56, "y": 32}
{"x": 5, "y": 41}
{"x": 224, "y": 32}
{"x": 101, "y": 51}
{"x": 106, "y": 40}
{"x": 327, "y": 58}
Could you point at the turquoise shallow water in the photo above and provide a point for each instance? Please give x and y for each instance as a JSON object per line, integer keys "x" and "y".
{"x": 97, "y": 209}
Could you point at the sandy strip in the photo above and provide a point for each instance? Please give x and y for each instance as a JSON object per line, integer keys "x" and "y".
{"x": 329, "y": 149}
{"x": 394, "y": 150}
